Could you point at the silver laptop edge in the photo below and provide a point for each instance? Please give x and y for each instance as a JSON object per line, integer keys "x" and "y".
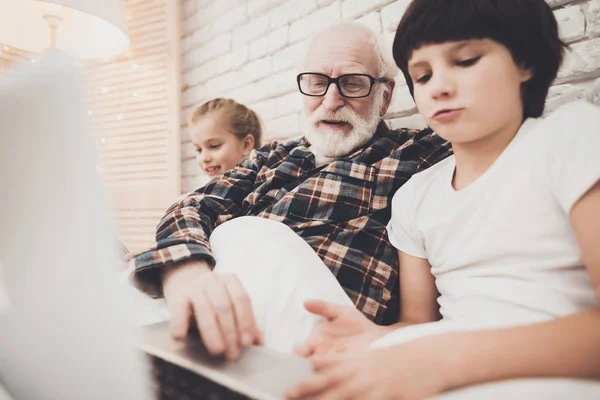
{"x": 66, "y": 331}
{"x": 260, "y": 373}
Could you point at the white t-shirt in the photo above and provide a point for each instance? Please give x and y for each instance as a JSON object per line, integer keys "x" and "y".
{"x": 502, "y": 250}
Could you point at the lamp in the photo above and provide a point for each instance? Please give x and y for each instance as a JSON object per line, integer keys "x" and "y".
{"x": 81, "y": 28}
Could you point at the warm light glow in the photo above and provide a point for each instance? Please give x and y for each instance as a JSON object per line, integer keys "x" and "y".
{"x": 81, "y": 28}
{"x": 51, "y": 9}
{"x": 104, "y": 90}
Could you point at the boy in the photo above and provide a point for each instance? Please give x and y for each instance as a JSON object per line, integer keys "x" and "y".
{"x": 505, "y": 232}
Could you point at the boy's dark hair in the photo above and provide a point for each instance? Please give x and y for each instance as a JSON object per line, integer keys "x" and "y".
{"x": 527, "y": 28}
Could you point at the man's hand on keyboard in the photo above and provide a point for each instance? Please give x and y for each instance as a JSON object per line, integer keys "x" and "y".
{"x": 218, "y": 303}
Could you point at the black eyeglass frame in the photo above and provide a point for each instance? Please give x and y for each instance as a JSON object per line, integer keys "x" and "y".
{"x": 336, "y": 81}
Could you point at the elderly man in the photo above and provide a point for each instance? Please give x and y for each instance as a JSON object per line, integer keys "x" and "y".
{"x": 299, "y": 219}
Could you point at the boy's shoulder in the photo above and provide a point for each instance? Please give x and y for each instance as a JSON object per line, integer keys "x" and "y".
{"x": 574, "y": 116}
{"x": 574, "y": 109}
{"x": 421, "y": 184}
{"x": 435, "y": 172}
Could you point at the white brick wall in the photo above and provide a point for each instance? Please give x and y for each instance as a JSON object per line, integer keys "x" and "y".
{"x": 249, "y": 49}
{"x": 571, "y": 23}
{"x": 593, "y": 18}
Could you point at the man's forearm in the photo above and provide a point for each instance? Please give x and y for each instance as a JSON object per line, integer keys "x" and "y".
{"x": 147, "y": 269}
{"x": 566, "y": 347}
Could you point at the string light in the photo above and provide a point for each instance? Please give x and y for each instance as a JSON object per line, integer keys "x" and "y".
{"x": 135, "y": 66}
{"x": 103, "y": 140}
{"x": 90, "y": 112}
{"x": 104, "y": 90}
{"x": 120, "y": 117}
{"x": 136, "y": 94}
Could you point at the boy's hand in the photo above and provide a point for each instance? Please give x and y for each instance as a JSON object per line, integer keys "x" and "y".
{"x": 345, "y": 329}
{"x": 218, "y": 303}
{"x": 410, "y": 371}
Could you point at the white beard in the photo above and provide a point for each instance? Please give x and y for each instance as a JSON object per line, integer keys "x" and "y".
{"x": 333, "y": 143}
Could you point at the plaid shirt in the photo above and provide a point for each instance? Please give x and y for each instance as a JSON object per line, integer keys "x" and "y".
{"x": 340, "y": 209}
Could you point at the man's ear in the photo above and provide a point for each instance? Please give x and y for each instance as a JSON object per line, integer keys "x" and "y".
{"x": 387, "y": 97}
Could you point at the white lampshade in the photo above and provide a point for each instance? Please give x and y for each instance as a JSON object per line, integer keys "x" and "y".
{"x": 87, "y": 28}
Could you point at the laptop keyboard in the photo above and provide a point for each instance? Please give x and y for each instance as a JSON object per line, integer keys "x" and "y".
{"x": 175, "y": 383}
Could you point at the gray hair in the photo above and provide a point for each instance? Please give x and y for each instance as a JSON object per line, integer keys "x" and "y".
{"x": 383, "y": 51}
{"x": 386, "y": 65}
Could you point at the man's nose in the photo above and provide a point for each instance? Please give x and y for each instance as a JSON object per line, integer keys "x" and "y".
{"x": 333, "y": 99}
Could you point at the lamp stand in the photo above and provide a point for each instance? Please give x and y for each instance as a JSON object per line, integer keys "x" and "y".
{"x": 53, "y": 22}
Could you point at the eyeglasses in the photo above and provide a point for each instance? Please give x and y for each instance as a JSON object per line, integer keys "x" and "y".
{"x": 353, "y": 86}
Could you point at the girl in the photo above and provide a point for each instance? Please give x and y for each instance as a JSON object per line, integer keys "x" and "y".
{"x": 223, "y": 133}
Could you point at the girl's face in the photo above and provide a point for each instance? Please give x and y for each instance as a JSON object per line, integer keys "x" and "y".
{"x": 217, "y": 149}
{"x": 468, "y": 90}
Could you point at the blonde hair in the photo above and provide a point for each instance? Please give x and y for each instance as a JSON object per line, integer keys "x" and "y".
{"x": 240, "y": 119}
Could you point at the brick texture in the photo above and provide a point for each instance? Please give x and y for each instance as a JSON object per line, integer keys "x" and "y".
{"x": 250, "y": 50}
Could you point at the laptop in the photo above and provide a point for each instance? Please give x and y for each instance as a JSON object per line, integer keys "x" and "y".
{"x": 65, "y": 320}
